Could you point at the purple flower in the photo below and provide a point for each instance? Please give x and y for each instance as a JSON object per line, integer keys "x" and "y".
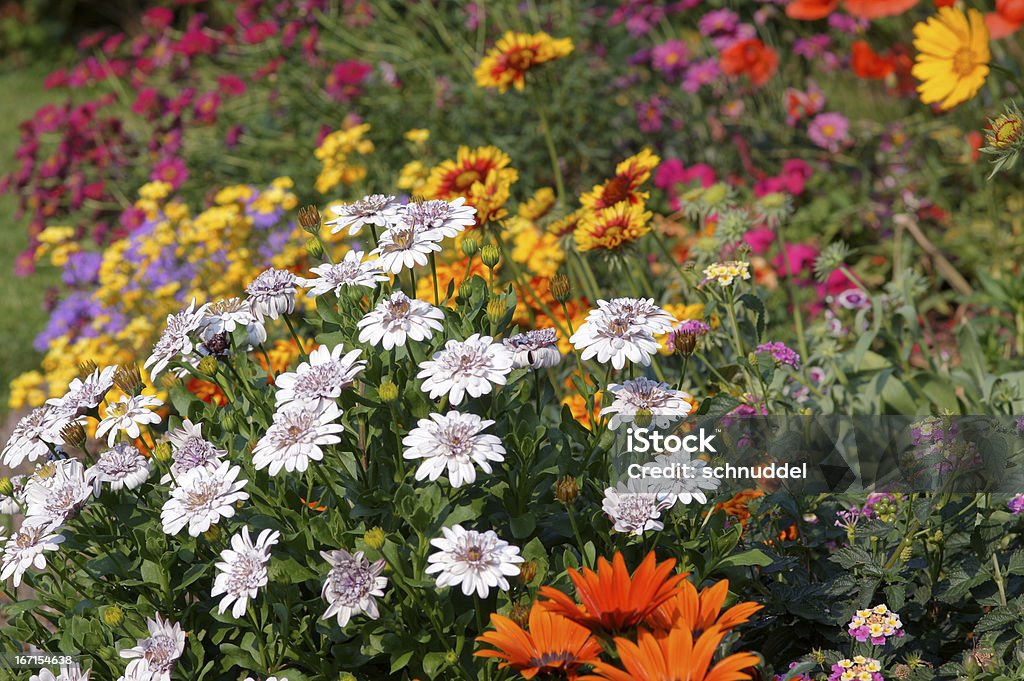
{"x": 717, "y": 22}
{"x": 701, "y": 73}
{"x": 780, "y": 353}
{"x": 1020, "y": 425}
{"x": 670, "y": 58}
{"x": 846, "y": 23}
{"x": 830, "y": 131}
{"x": 82, "y": 268}
{"x": 648, "y": 115}
{"x": 1016, "y": 504}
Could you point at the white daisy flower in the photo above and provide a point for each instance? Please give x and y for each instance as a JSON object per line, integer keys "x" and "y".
{"x": 319, "y": 381}
{"x": 639, "y": 311}
{"x": 26, "y": 548}
{"x": 537, "y": 348}
{"x": 224, "y": 316}
{"x": 404, "y": 246}
{"x": 479, "y": 561}
{"x": 448, "y": 219}
{"x": 242, "y": 571}
{"x": 399, "y": 318}
{"x": 190, "y": 450}
{"x": 272, "y": 293}
{"x": 71, "y": 672}
{"x": 175, "y": 338}
{"x": 376, "y": 209}
{"x": 686, "y": 489}
{"x": 633, "y": 510}
{"x": 10, "y": 505}
{"x": 56, "y": 492}
{"x": 454, "y": 442}
{"x": 201, "y": 498}
{"x": 153, "y": 658}
{"x": 351, "y": 271}
{"x": 353, "y": 586}
{"x": 122, "y": 466}
{"x": 26, "y": 440}
{"x": 614, "y": 340}
{"x": 296, "y": 437}
{"x": 82, "y": 396}
{"x": 664, "y": 404}
{"x": 468, "y": 366}
{"x": 126, "y": 414}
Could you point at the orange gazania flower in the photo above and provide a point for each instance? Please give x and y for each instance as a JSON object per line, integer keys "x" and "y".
{"x": 206, "y": 391}
{"x": 516, "y": 53}
{"x": 870, "y": 65}
{"x": 629, "y": 176}
{"x": 736, "y": 507}
{"x": 700, "y": 612}
{"x": 553, "y": 645}
{"x": 676, "y": 657}
{"x": 751, "y": 58}
{"x": 454, "y": 178}
{"x": 612, "y": 599}
{"x": 810, "y": 10}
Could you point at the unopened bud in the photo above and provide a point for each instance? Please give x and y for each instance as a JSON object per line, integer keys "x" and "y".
{"x": 162, "y": 451}
{"x": 643, "y": 417}
{"x": 113, "y": 616}
{"x": 73, "y": 435}
{"x": 309, "y": 219}
{"x": 527, "y": 571}
{"x": 520, "y": 614}
{"x": 561, "y": 290}
{"x": 567, "y": 489}
{"x": 208, "y": 365}
{"x": 6, "y": 487}
{"x": 490, "y": 255}
{"x": 170, "y": 380}
{"x": 470, "y": 247}
{"x": 212, "y": 534}
{"x": 128, "y": 378}
{"x": 496, "y": 309}
{"x": 387, "y": 391}
{"x": 46, "y": 471}
{"x": 374, "y": 537}
{"x": 907, "y": 553}
{"x": 314, "y": 248}
{"x": 466, "y": 289}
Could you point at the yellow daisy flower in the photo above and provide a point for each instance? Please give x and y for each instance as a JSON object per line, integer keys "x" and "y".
{"x": 953, "y": 56}
{"x": 611, "y": 228}
{"x": 516, "y": 53}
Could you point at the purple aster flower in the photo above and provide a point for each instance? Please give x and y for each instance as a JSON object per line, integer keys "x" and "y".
{"x": 829, "y": 131}
{"x": 670, "y": 58}
{"x": 82, "y": 268}
{"x": 780, "y": 353}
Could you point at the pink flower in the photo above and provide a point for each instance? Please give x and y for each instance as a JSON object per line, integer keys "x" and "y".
{"x": 231, "y": 84}
{"x": 670, "y": 58}
{"x": 156, "y": 19}
{"x": 801, "y": 259}
{"x": 344, "y": 81}
{"x": 147, "y": 103}
{"x": 171, "y": 171}
{"x": 830, "y": 131}
{"x": 194, "y": 41}
{"x": 207, "y": 105}
{"x": 258, "y": 33}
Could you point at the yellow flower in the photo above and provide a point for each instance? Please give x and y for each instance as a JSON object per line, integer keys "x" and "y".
{"x": 629, "y": 175}
{"x": 537, "y": 249}
{"x": 953, "y": 56}
{"x": 538, "y": 205}
{"x": 413, "y": 176}
{"x": 613, "y": 227}
{"x": 335, "y": 152}
{"x": 451, "y": 179}
{"x": 27, "y": 390}
{"x": 155, "y": 191}
{"x": 516, "y": 53}
{"x": 490, "y": 195}
{"x": 55, "y": 234}
{"x": 417, "y": 135}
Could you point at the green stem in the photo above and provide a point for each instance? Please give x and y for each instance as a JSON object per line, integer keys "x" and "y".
{"x": 291, "y": 329}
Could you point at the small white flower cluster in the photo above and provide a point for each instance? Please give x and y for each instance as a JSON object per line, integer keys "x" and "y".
{"x": 622, "y": 329}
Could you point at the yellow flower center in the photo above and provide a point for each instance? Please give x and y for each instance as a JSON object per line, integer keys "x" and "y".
{"x": 964, "y": 62}
{"x": 465, "y": 179}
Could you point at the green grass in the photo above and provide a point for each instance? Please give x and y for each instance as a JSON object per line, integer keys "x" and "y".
{"x": 21, "y": 313}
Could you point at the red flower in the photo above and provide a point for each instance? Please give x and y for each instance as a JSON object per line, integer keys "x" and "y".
{"x": 1007, "y": 19}
{"x": 870, "y": 65}
{"x": 752, "y": 58}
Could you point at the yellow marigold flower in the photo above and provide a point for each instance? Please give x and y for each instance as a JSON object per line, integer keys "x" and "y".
{"x": 451, "y": 179}
{"x": 629, "y": 176}
{"x": 516, "y": 53}
{"x": 60, "y": 253}
{"x": 953, "y": 56}
{"x": 238, "y": 193}
{"x": 611, "y": 228}
{"x": 490, "y": 195}
{"x": 283, "y": 182}
{"x": 413, "y": 176}
{"x": 417, "y": 135}
{"x": 334, "y": 153}
{"x": 27, "y": 390}
{"x": 538, "y": 205}
{"x": 155, "y": 191}
{"x": 55, "y": 234}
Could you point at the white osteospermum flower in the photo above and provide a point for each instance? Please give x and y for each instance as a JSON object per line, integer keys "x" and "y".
{"x": 126, "y": 414}
{"x": 353, "y": 586}
{"x": 242, "y": 571}
{"x": 446, "y": 218}
{"x": 190, "y": 450}
{"x": 201, "y": 498}
{"x": 379, "y": 210}
{"x": 684, "y": 489}
{"x": 537, "y": 348}
{"x": 399, "y": 318}
{"x": 468, "y": 366}
{"x": 639, "y": 311}
{"x": 122, "y": 466}
{"x": 404, "y": 246}
{"x": 664, "y": 404}
{"x": 175, "y": 340}
{"x": 272, "y": 293}
{"x": 71, "y": 672}
{"x": 296, "y": 437}
{"x": 614, "y": 340}
{"x": 634, "y": 511}
{"x": 153, "y": 658}
{"x": 478, "y": 561}
{"x": 319, "y": 381}
{"x": 56, "y": 491}
{"x": 224, "y": 316}
{"x": 83, "y": 395}
{"x": 26, "y": 548}
{"x": 452, "y": 442}
{"x": 351, "y": 271}
{"x": 26, "y": 440}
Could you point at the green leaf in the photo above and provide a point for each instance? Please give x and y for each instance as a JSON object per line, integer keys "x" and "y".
{"x": 747, "y": 559}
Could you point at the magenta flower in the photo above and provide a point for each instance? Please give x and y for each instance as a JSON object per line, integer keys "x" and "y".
{"x": 171, "y": 171}
{"x": 648, "y": 115}
{"x": 830, "y": 131}
{"x": 701, "y": 73}
{"x": 780, "y": 353}
{"x": 345, "y": 80}
{"x": 670, "y": 58}
{"x": 1016, "y": 504}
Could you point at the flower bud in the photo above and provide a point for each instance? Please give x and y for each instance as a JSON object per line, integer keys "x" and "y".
{"x": 527, "y": 571}
{"x": 466, "y": 289}
{"x": 346, "y": 676}
{"x": 387, "y": 391}
{"x": 496, "y": 309}
{"x": 309, "y": 219}
{"x": 314, "y": 248}
{"x": 212, "y": 534}
{"x": 6, "y": 487}
{"x": 46, "y": 471}
{"x": 490, "y": 255}
{"x": 561, "y": 290}
{"x": 162, "y": 451}
{"x": 520, "y": 614}
{"x": 374, "y": 537}
{"x": 567, "y": 489}
{"x": 128, "y": 378}
{"x": 470, "y": 247}
{"x": 208, "y": 365}
{"x": 907, "y": 553}
{"x": 113, "y": 616}
{"x": 73, "y": 435}
{"x": 643, "y": 417}
{"x": 170, "y": 380}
